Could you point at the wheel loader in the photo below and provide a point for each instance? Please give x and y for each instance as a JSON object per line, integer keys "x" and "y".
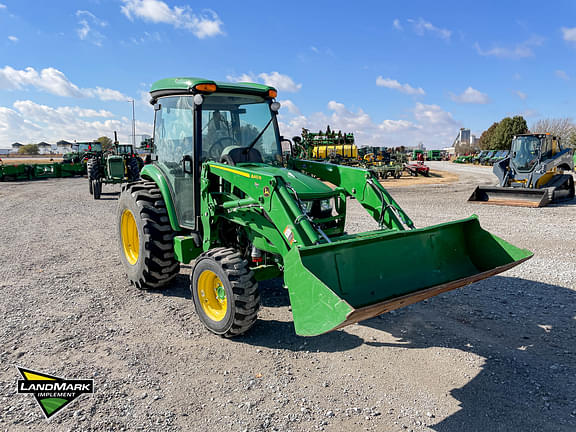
{"x": 535, "y": 174}
{"x": 219, "y": 197}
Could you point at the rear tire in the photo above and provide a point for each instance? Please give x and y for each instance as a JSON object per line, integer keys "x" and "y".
{"x": 147, "y": 247}
{"x": 225, "y": 292}
{"x": 133, "y": 170}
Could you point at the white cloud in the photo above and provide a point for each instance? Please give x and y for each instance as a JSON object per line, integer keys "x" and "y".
{"x": 52, "y": 81}
{"x": 13, "y": 39}
{"x": 280, "y": 82}
{"x": 87, "y": 20}
{"x": 422, "y": 27}
{"x": 395, "y": 85}
{"x": 521, "y": 94}
{"x": 563, "y": 75}
{"x": 2, "y": 6}
{"x": 432, "y": 115}
{"x": 290, "y": 106}
{"x": 569, "y": 34}
{"x": 397, "y": 25}
{"x": 429, "y": 124}
{"x": 521, "y": 50}
{"x": 470, "y": 96}
{"x": 241, "y": 78}
{"x": 207, "y": 24}
{"x": 396, "y": 125}
{"x": 283, "y": 83}
{"x": 28, "y": 122}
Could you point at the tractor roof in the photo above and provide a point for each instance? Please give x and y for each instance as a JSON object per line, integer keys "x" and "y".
{"x": 185, "y": 85}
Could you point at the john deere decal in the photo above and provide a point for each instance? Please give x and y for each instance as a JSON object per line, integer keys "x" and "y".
{"x": 52, "y": 393}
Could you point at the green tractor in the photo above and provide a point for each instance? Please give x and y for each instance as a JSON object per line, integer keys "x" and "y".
{"x": 219, "y": 197}
{"x": 119, "y": 165}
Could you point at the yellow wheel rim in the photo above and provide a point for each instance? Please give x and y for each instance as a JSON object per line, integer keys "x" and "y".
{"x": 130, "y": 238}
{"x": 212, "y": 295}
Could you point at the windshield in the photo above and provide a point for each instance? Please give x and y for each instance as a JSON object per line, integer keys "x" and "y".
{"x": 233, "y": 120}
{"x": 525, "y": 152}
{"x": 84, "y": 147}
{"x": 124, "y": 149}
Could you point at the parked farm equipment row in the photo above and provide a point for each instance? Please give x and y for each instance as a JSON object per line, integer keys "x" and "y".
{"x": 40, "y": 171}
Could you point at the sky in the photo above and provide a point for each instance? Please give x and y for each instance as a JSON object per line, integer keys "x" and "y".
{"x": 393, "y": 73}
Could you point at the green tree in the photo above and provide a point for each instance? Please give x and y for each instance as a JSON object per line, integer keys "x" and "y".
{"x": 486, "y": 137}
{"x": 29, "y": 149}
{"x": 106, "y": 142}
{"x": 501, "y": 138}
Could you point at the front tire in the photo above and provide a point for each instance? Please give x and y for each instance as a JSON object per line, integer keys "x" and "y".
{"x": 145, "y": 237}
{"x": 225, "y": 292}
{"x": 96, "y": 189}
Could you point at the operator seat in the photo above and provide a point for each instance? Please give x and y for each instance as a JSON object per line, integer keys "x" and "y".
{"x": 234, "y": 154}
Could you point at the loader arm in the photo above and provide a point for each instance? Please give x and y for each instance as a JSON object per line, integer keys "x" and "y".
{"x": 362, "y": 185}
{"x": 280, "y": 223}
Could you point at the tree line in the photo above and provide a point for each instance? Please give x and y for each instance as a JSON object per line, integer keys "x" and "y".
{"x": 499, "y": 135}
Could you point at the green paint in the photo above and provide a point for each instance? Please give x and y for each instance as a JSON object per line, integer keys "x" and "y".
{"x": 53, "y": 404}
{"x": 185, "y": 249}
{"x": 328, "y": 281}
{"x": 151, "y": 172}
{"x": 188, "y": 83}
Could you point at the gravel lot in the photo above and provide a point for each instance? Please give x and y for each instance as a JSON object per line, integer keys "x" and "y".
{"x": 498, "y": 355}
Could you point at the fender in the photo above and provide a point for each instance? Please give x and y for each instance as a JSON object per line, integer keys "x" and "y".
{"x": 151, "y": 172}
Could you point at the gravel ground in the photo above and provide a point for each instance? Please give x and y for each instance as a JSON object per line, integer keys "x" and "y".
{"x": 495, "y": 356}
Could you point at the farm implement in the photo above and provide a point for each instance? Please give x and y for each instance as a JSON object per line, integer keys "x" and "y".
{"x": 39, "y": 171}
{"x": 219, "y": 196}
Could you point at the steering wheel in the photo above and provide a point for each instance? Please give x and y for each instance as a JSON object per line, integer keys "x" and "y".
{"x": 218, "y": 147}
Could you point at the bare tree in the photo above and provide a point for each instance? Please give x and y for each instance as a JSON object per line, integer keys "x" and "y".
{"x": 562, "y": 127}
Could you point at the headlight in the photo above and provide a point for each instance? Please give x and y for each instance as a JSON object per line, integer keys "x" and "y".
{"x": 325, "y": 205}
{"x": 307, "y": 206}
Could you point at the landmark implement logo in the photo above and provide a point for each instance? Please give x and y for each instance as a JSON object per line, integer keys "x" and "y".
{"x": 52, "y": 393}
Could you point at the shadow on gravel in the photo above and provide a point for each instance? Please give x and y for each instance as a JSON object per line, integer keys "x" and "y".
{"x": 109, "y": 196}
{"x": 179, "y": 287}
{"x": 525, "y": 331}
{"x": 281, "y": 335}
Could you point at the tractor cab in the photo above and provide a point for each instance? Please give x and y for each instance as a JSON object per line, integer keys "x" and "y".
{"x": 89, "y": 147}
{"x": 125, "y": 149}
{"x": 528, "y": 150}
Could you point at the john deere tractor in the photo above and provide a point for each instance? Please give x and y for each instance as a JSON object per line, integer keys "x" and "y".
{"x": 534, "y": 174}
{"x": 119, "y": 165}
{"x": 219, "y": 197}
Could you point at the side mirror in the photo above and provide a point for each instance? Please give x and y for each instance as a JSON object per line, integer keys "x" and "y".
{"x": 287, "y": 147}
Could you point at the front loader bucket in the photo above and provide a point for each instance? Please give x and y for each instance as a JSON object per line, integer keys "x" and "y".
{"x": 336, "y": 284}
{"x": 510, "y": 196}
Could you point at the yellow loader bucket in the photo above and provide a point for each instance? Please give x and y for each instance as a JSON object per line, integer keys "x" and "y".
{"x": 511, "y": 196}
{"x": 360, "y": 276}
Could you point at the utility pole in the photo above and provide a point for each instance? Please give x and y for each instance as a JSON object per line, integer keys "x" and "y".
{"x": 133, "y": 125}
